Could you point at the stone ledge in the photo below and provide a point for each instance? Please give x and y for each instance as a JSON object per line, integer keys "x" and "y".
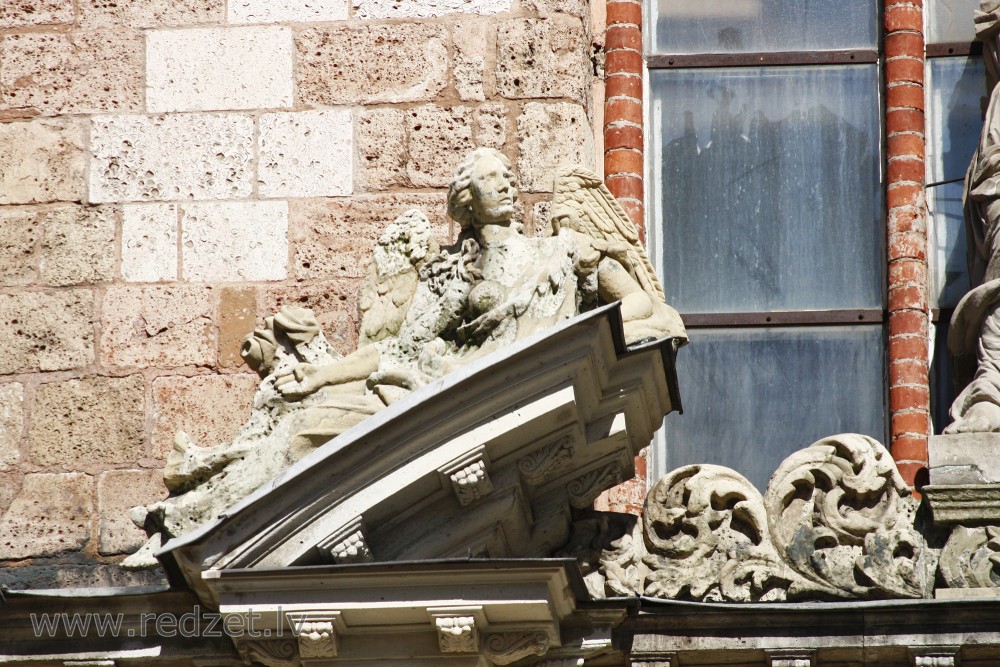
{"x": 965, "y": 504}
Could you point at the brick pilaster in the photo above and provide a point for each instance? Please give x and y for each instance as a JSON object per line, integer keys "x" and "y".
{"x": 623, "y": 163}
{"x": 909, "y": 394}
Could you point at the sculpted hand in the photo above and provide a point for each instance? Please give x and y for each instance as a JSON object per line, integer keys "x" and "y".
{"x": 302, "y": 381}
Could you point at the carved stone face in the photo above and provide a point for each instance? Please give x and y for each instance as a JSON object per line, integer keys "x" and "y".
{"x": 493, "y": 192}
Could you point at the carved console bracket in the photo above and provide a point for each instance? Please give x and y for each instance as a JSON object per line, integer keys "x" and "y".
{"x": 584, "y": 489}
{"x": 944, "y": 656}
{"x": 546, "y": 462}
{"x": 790, "y": 658}
{"x": 458, "y": 628}
{"x": 504, "y": 648}
{"x": 349, "y": 544}
{"x": 316, "y": 634}
{"x": 468, "y": 476}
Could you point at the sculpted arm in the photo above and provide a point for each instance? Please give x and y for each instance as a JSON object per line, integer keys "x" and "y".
{"x": 307, "y": 378}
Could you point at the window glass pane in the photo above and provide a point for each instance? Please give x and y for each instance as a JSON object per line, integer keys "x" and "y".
{"x": 950, "y": 20}
{"x": 942, "y": 387}
{"x": 954, "y": 119}
{"x": 767, "y": 191}
{"x": 747, "y": 26}
{"x": 751, "y": 397}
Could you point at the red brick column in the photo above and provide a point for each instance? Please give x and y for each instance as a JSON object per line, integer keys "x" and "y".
{"x": 623, "y": 164}
{"x": 909, "y": 394}
{"x": 623, "y": 171}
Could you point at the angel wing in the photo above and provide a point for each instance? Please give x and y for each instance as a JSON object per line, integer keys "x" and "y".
{"x": 392, "y": 276}
{"x": 581, "y": 202}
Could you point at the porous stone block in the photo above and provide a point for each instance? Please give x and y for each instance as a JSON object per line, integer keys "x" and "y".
{"x": 550, "y": 135}
{"x": 491, "y": 125}
{"x": 542, "y": 58}
{"x": 278, "y": 11}
{"x": 230, "y": 241}
{"x": 11, "y": 423}
{"x": 475, "y": 42}
{"x": 149, "y": 13}
{"x": 306, "y": 154}
{"x": 404, "y": 62}
{"x": 205, "y": 69}
{"x": 80, "y": 72}
{"x": 381, "y": 136}
{"x": 210, "y": 409}
{"x": 545, "y": 7}
{"x": 52, "y": 514}
{"x": 171, "y": 157}
{"x": 41, "y": 161}
{"x": 335, "y": 238}
{"x": 237, "y": 318}
{"x": 117, "y": 492}
{"x": 417, "y": 9}
{"x": 79, "y": 245}
{"x": 149, "y": 242}
{"x": 46, "y": 332}
{"x": 439, "y": 137}
{"x": 333, "y": 301}
{"x": 35, "y": 12}
{"x": 22, "y": 227}
{"x": 964, "y": 458}
{"x": 95, "y": 420}
{"x": 162, "y": 327}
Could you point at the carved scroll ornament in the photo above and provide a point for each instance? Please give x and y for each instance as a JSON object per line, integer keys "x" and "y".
{"x": 836, "y": 522}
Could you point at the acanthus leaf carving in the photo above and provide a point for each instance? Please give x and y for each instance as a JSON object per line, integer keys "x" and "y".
{"x": 504, "y": 648}
{"x": 457, "y": 634}
{"x": 836, "y": 522}
{"x": 270, "y": 652}
{"x": 971, "y": 557}
{"x": 542, "y": 463}
{"x": 584, "y": 489}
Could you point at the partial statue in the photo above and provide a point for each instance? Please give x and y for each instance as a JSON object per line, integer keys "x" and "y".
{"x": 974, "y": 337}
{"x": 425, "y": 311}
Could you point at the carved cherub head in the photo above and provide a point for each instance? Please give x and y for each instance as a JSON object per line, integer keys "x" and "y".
{"x": 482, "y": 190}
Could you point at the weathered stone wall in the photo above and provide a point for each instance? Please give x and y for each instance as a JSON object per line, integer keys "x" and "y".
{"x": 172, "y": 169}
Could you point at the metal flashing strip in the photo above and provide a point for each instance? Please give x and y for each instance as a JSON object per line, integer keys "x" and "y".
{"x": 785, "y": 318}
{"x": 705, "y": 60}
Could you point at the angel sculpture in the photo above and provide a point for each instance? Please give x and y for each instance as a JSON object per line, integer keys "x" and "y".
{"x": 425, "y": 312}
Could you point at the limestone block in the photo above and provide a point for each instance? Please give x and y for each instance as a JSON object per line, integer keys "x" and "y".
{"x": 381, "y": 139}
{"x": 335, "y": 239}
{"x": 35, "y": 12}
{"x": 81, "y": 72}
{"x": 210, "y": 409}
{"x": 22, "y": 228}
{"x": 149, "y": 242}
{"x": 41, "y": 161}
{"x": 542, "y": 58}
{"x": 149, "y": 13}
{"x": 334, "y": 303}
{"x": 491, "y": 125}
{"x": 237, "y": 318}
{"x": 416, "y": 9}
{"x": 52, "y": 514}
{"x": 162, "y": 327}
{"x": 204, "y": 69}
{"x": 46, "y": 332}
{"x": 437, "y": 136}
{"x": 117, "y": 492}
{"x": 544, "y": 7}
{"x": 171, "y": 157}
{"x": 380, "y": 63}
{"x": 550, "y": 135}
{"x": 230, "y": 241}
{"x": 79, "y": 245}
{"x": 278, "y": 11}
{"x": 306, "y": 154}
{"x": 11, "y": 423}
{"x": 95, "y": 420}
{"x": 475, "y": 41}
{"x": 965, "y": 458}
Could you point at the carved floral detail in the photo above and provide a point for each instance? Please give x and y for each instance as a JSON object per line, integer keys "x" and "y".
{"x": 471, "y": 483}
{"x": 504, "y": 648}
{"x": 971, "y": 558}
{"x": 544, "y": 462}
{"x": 836, "y": 522}
{"x": 457, "y": 634}
{"x": 348, "y": 545}
{"x": 317, "y": 639}
{"x": 270, "y": 652}
{"x": 585, "y": 488}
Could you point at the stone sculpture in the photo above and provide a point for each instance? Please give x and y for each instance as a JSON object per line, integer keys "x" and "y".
{"x": 836, "y": 522}
{"x": 425, "y": 311}
{"x": 974, "y": 337}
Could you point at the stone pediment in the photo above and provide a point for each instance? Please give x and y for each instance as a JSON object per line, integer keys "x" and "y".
{"x": 491, "y": 461}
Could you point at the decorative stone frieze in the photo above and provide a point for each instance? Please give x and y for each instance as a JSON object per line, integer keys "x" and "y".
{"x": 269, "y": 652}
{"x": 584, "y": 489}
{"x": 542, "y": 463}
